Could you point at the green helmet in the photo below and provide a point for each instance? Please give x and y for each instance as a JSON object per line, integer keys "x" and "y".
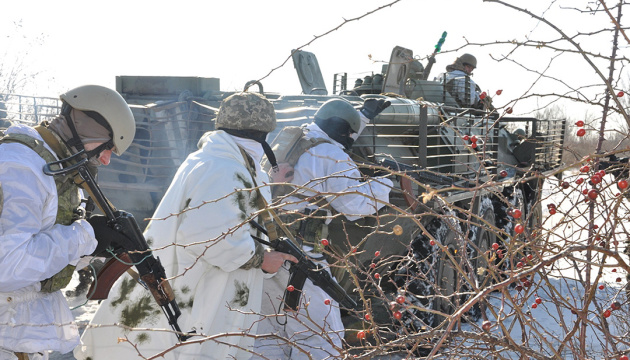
{"x": 246, "y": 111}
{"x": 466, "y": 59}
{"x": 340, "y": 108}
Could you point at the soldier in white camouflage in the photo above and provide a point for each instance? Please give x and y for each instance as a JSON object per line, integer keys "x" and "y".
{"x": 208, "y": 251}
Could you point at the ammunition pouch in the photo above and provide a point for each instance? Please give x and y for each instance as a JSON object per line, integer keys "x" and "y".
{"x": 313, "y": 229}
{"x": 58, "y": 281}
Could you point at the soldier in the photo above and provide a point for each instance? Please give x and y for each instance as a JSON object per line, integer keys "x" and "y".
{"x": 324, "y": 168}
{"x": 459, "y": 84}
{"x": 216, "y": 265}
{"x": 42, "y": 230}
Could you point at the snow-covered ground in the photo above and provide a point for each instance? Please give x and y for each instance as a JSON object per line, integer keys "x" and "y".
{"x": 568, "y": 227}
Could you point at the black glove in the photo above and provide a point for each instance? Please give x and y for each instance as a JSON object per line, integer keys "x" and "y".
{"x": 106, "y": 236}
{"x": 373, "y": 107}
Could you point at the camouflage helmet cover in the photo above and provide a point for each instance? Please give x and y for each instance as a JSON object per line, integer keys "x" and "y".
{"x": 246, "y": 111}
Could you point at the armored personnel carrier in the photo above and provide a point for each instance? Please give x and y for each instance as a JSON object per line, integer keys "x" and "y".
{"x": 466, "y": 202}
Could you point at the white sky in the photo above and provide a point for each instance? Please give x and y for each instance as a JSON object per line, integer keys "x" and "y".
{"x": 237, "y": 41}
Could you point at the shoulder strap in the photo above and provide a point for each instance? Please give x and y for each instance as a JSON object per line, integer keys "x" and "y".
{"x": 268, "y": 215}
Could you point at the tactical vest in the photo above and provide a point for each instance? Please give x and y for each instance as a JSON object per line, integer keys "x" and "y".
{"x": 68, "y": 196}
{"x": 288, "y": 146}
{"x": 309, "y": 228}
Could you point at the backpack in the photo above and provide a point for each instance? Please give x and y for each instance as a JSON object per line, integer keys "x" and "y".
{"x": 288, "y": 146}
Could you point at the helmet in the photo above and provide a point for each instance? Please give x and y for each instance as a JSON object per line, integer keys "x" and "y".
{"x": 111, "y": 106}
{"x": 467, "y": 59}
{"x": 246, "y": 111}
{"x": 339, "y": 108}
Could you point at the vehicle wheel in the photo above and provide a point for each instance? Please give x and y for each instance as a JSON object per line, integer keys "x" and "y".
{"x": 416, "y": 277}
{"x": 484, "y": 258}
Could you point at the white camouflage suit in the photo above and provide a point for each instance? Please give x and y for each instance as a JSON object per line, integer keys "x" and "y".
{"x": 32, "y": 249}
{"x": 324, "y": 168}
{"x": 215, "y": 295}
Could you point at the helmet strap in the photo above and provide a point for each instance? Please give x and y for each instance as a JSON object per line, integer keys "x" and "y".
{"x": 259, "y": 137}
{"x": 75, "y": 141}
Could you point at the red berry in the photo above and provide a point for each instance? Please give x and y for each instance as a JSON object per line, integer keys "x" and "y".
{"x": 377, "y": 253}
{"x": 503, "y": 173}
{"x": 615, "y": 305}
{"x": 620, "y": 94}
{"x": 432, "y": 242}
{"x": 552, "y": 211}
{"x": 325, "y": 242}
{"x": 618, "y": 279}
{"x": 579, "y": 123}
{"x": 486, "y": 325}
{"x": 361, "y": 335}
{"x": 565, "y": 185}
{"x": 327, "y": 302}
{"x": 614, "y": 270}
{"x": 596, "y": 179}
{"x": 581, "y": 132}
{"x": 377, "y": 276}
{"x": 372, "y": 266}
{"x": 483, "y": 95}
{"x": 601, "y": 287}
{"x": 473, "y": 139}
{"x": 592, "y": 194}
{"x": 367, "y": 317}
{"x": 354, "y": 249}
{"x": 400, "y": 299}
{"x": 622, "y": 184}
{"x": 495, "y": 246}
{"x": 579, "y": 181}
{"x": 538, "y": 301}
{"x": 534, "y": 306}
{"x": 601, "y": 173}
{"x": 623, "y": 357}
{"x": 397, "y": 315}
{"x": 585, "y": 168}
{"x": 607, "y": 313}
{"x": 595, "y": 227}
{"x": 499, "y": 92}
{"x": 519, "y": 229}
{"x": 290, "y": 288}
{"x": 466, "y": 137}
{"x": 551, "y": 205}
{"x": 519, "y": 264}
{"x": 585, "y": 191}
{"x": 508, "y": 110}
{"x": 516, "y": 213}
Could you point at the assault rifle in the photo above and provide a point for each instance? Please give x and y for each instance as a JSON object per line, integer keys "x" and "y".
{"x": 150, "y": 270}
{"x": 303, "y": 269}
{"x": 418, "y": 174}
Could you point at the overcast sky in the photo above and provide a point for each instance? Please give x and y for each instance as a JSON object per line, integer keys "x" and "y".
{"x": 236, "y": 41}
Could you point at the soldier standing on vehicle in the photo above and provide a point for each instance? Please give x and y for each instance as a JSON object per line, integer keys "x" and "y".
{"x": 42, "y": 230}
{"x": 216, "y": 266}
{"x": 324, "y": 168}
{"x": 459, "y": 83}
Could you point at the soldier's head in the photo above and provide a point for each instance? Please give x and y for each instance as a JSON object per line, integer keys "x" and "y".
{"x": 248, "y": 115}
{"x": 339, "y": 120}
{"x": 466, "y": 63}
{"x": 95, "y": 119}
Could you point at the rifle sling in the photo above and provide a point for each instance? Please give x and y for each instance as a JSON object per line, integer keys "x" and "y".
{"x": 270, "y": 219}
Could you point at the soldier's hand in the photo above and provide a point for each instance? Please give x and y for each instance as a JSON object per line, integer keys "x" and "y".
{"x": 372, "y": 107}
{"x": 106, "y": 236}
{"x": 284, "y": 173}
{"x": 273, "y": 260}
